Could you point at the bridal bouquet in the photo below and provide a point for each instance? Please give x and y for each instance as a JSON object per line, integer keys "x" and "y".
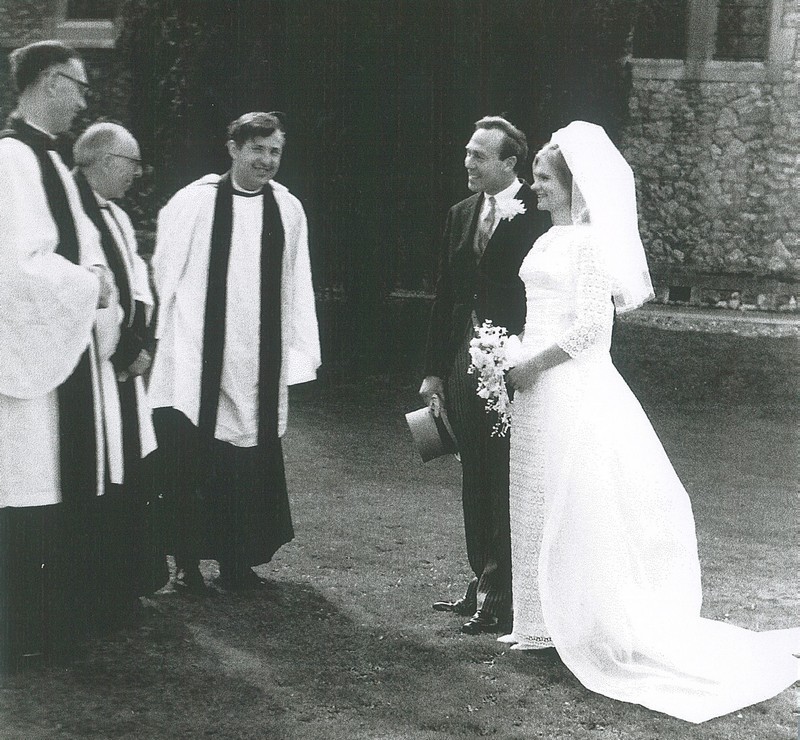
{"x": 487, "y": 352}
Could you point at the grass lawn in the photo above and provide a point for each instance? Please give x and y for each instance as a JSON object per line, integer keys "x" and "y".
{"x": 344, "y": 644}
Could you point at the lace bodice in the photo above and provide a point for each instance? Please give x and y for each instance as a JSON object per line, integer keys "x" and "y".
{"x": 568, "y": 294}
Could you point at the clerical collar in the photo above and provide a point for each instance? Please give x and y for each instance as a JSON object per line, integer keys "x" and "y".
{"x": 33, "y": 136}
{"x": 39, "y": 129}
{"x": 101, "y": 201}
{"x": 237, "y": 190}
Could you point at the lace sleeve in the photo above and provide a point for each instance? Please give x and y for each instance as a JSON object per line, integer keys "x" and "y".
{"x": 593, "y": 297}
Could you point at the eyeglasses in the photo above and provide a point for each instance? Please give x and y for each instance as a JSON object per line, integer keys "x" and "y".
{"x": 83, "y": 86}
{"x": 133, "y": 160}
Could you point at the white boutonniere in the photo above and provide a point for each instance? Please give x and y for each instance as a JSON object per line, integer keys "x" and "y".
{"x": 507, "y": 209}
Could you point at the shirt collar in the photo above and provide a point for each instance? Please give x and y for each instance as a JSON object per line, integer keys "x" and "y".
{"x": 504, "y": 195}
{"x": 508, "y": 193}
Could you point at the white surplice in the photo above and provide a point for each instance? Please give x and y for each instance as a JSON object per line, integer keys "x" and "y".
{"x": 604, "y": 552}
{"x": 121, "y": 228}
{"x": 180, "y": 265}
{"x": 48, "y": 318}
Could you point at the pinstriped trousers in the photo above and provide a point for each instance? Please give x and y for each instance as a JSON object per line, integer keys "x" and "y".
{"x": 484, "y": 492}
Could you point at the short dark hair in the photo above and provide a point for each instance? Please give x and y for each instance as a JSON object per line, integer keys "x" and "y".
{"x": 254, "y": 124}
{"x": 28, "y": 62}
{"x": 515, "y": 143}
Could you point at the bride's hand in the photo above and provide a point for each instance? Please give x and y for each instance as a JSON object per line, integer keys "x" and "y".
{"x": 524, "y": 373}
{"x": 521, "y": 376}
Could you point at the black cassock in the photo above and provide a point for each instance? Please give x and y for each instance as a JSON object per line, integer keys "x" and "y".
{"x": 131, "y": 562}
{"x": 229, "y": 503}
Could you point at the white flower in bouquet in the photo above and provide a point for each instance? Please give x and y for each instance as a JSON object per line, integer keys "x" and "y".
{"x": 507, "y": 209}
{"x": 489, "y": 360}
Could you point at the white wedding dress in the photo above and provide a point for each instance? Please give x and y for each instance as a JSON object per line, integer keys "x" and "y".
{"x": 604, "y": 553}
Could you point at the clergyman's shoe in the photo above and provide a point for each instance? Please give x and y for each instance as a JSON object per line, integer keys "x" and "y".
{"x": 190, "y": 581}
{"x": 481, "y": 622}
{"x": 463, "y": 606}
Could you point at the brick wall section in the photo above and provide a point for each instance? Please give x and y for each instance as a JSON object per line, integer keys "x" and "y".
{"x": 718, "y": 172}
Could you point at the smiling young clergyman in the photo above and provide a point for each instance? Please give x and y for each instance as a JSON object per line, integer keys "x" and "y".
{"x": 237, "y": 325}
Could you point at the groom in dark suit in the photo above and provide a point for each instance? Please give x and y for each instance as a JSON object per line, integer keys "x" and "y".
{"x": 486, "y": 238}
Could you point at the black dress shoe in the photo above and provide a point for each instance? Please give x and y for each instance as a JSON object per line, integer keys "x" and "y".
{"x": 462, "y": 607}
{"x": 481, "y": 622}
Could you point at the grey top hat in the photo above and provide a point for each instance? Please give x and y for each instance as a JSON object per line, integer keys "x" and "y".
{"x": 433, "y": 436}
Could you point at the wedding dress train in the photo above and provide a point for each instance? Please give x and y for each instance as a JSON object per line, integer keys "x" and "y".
{"x": 604, "y": 552}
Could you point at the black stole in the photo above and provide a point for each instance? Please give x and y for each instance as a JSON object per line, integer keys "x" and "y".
{"x": 272, "y": 242}
{"x": 77, "y": 442}
{"x": 116, "y": 261}
{"x": 132, "y": 331}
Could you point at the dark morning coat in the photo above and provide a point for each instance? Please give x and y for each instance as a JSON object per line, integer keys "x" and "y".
{"x": 490, "y": 287}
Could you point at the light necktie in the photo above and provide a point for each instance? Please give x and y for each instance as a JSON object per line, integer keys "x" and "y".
{"x": 485, "y": 228}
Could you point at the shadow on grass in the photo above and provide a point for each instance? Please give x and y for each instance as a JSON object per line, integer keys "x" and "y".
{"x": 344, "y": 643}
{"x": 228, "y": 666}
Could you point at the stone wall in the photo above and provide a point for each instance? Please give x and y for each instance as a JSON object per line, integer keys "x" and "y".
{"x": 26, "y": 21}
{"x": 23, "y": 21}
{"x": 718, "y": 172}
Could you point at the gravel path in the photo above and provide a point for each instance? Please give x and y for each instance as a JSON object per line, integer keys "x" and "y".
{"x": 715, "y": 320}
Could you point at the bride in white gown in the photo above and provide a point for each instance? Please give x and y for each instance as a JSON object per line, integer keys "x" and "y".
{"x": 604, "y": 555}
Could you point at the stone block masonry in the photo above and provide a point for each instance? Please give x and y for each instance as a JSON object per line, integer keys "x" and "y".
{"x": 717, "y": 163}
